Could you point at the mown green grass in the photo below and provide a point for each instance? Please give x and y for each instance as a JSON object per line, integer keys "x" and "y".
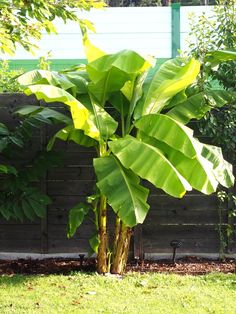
{"x": 135, "y": 293}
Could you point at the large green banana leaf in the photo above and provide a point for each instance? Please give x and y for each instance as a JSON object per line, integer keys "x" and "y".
{"x": 79, "y": 80}
{"x": 216, "y": 57}
{"x": 172, "y": 77}
{"x": 169, "y": 131}
{"x": 222, "y": 169}
{"x": 73, "y": 82}
{"x": 125, "y": 100}
{"x": 120, "y": 103}
{"x": 69, "y": 133}
{"x": 122, "y": 189}
{"x": 44, "y": 113}
{"x": 111, "y": 81}
{"x": 151, "y": 164}
{"x": 133, "y": 88}
{"x": 110, "y": 72}
{"x": 205, "y": 171}
{"x": 196, "y": 106}
{"x": 104, "y": 122}
{"x": 197, "y": 171}
{"x": 80, "y": 114}
{"x": 177, "y": 99}
{"x": 77, "y": 215}
{"x": 136, "y": 90}
{"x": 45, "y": 77}
{"x": 128, "y": 61}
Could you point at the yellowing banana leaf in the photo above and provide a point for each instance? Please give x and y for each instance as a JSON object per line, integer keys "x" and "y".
{"x": 169, "y": 131}
{"x": 151, "y": 164}
{"x": 100, "y": 117}
{"x": 123, "y": 190}
{"x": 80, "y": 114}
{"x": 91, "y": 52}
{"x": 172, "y": 77}
{"x": 196, "y": 106}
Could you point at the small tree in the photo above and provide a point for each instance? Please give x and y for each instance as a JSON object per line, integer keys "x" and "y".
{"x": 218, "y": 31}
{"x": 147, "y": 138}
{"x": 214, "y": 32}
{"x": 22, "y": 21}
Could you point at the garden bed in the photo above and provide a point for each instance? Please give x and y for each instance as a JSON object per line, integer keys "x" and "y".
{"x": 185, "y": 266}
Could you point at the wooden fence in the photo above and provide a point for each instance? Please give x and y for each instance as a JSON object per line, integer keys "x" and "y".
{"x": 192, "y": 220}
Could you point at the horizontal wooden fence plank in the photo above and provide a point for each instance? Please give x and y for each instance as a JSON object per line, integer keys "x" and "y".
{"x": 195, "y": 239}
{"x": 84, "y": 172}
{"x": 79, "y": 187}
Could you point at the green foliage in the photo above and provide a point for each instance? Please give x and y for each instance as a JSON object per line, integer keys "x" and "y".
{"x": 218, "y": 32}
{"x": 214, "y": 33}
{"x": 131, "y": 204}
{"x": 76, "y": 217}
{"x": 8, "y": 83}
{"x": 220, "y": 126}
{"x": 22, "y": 21}
{"x": 146, "y": 138}
{"x": 20, "y": 196}
{"x": 44, "y": 62}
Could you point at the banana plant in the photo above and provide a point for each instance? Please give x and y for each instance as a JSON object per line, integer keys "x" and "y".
{"x": 136, "y": 120}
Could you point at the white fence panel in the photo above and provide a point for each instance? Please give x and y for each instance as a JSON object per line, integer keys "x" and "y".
{"x": 146, "y": 30}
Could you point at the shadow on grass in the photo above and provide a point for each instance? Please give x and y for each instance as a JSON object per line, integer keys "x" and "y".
{"x": 13, "y": 280}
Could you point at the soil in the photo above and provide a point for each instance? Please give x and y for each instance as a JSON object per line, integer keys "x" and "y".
{"x": 186, "y": 266}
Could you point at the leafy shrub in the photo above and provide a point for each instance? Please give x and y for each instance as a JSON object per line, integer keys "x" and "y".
{"x": 8, "y": 82}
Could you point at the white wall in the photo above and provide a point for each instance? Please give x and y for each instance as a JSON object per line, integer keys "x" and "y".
{"x": 145, "y": 30}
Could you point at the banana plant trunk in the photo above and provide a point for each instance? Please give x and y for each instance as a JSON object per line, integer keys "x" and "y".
{"x": 120, "y": 255}
{"x": 102, "y": 264}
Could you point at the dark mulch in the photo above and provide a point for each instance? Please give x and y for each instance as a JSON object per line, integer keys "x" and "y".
{"x": 189, "y": 265}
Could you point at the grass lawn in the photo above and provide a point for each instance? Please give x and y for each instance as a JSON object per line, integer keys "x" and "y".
{"x": 135, "y": 293}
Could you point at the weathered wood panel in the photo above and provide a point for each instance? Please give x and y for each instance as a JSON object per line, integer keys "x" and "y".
{"x": 20, "y": 238}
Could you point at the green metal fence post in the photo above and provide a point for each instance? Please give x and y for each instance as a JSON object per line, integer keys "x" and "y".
{"x": 175, "y": 29}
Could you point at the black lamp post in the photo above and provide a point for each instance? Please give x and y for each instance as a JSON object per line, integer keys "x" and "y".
{"x": 175, "y": 244}
{"x": 81, "y": 257}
